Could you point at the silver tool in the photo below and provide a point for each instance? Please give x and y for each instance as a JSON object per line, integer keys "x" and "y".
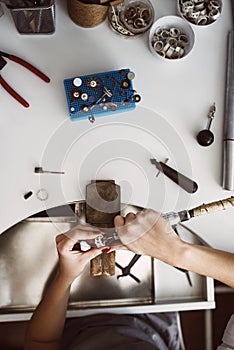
{"x": 228, "y": 137}
{"x": 40, "y": 170}
{"x": 206, "y": 137}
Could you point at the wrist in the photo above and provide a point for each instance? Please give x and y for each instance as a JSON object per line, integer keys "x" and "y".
{"x": 178, "y": 253}
{"x": 64, "y": 279}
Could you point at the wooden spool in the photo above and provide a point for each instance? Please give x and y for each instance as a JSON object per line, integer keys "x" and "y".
{"x": 86, "y": 15}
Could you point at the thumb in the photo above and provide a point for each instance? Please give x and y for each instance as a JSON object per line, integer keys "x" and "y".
{"x": 119, "y": 222}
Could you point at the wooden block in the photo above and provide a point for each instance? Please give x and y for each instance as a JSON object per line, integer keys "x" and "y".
{"x": 102, "y": 205}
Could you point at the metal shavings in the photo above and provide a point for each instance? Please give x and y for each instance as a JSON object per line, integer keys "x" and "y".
{"x": 170, "y": 42}
{"x": 201, "y": 12}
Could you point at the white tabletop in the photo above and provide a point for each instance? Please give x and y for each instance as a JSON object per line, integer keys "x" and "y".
{"x": 176, "y": 97}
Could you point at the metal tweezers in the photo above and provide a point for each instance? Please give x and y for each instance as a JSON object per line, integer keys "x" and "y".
{"x": 23, "y": 63}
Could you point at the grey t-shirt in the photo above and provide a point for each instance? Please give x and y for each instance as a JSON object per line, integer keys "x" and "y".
{"x": 228, "y": 336}
{"x": 122, "y": 332}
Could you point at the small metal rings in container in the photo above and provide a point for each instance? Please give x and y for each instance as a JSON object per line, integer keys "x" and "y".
{"x": 171, "y": 38}
{"x": 132, "y": 17}
{"x": 200, "y": 12}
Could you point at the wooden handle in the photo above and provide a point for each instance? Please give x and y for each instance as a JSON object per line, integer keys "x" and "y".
{"x": 184, "y": 182}
{"x": 212, "y": 207}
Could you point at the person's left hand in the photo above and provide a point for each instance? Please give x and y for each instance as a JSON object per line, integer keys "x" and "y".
{"x": 73, "y": 262}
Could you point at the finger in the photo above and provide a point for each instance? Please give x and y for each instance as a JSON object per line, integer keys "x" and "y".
{"x": 92, "y": 253}
{"x": 129, "y": 218}
{"x": 59, "y": 238}
{"x": 78, "y": 234}
{"x": 119, "y": 221}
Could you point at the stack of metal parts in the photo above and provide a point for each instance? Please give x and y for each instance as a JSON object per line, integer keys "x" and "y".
{"x": 170, "y": 42}
{"x": 131, "y": 19}
{"x": 201, "y": 12}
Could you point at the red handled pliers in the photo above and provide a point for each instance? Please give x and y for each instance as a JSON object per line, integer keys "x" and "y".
{"x": 27, "y": 65}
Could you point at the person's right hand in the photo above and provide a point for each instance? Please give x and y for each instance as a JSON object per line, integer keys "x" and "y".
{"x": 146, "y": 233}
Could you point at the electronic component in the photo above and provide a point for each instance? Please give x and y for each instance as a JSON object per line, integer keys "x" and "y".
{"x": 95, "y": 95}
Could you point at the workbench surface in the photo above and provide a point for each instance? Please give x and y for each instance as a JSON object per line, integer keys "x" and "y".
{"x": 176, "y": 97}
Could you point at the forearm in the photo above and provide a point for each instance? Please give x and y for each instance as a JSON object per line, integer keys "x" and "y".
{"x": 48, "y": 319}
{"x": 205, "y": 261}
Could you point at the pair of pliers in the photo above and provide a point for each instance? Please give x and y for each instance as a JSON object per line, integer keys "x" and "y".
{"x": 28, "y": 66}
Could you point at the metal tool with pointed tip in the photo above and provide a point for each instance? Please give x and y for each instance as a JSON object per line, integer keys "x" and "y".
{"x": 180, "y": 179}
{"x": 40, "y": 170}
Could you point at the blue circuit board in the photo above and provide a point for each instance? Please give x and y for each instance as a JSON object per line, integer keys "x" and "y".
{"x": 94, "y": 95}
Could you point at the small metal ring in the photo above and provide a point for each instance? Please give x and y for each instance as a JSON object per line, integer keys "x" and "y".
{"x": 42, "y": 194}
{"x": 139, "y": 23}
{"x": 170, "y": 52}
{"x": 214, "y": 5}
{"x": 202, "y": 20}
{"x": 214, "y": 14}
{"x": 165, "y": 34}
{"x": 174, "y": 32}
{"x": 158, "y": 45}
{"x": 166, "y": 47}
{"x": 183, "y": 38}
{"x": 172, "y": 42}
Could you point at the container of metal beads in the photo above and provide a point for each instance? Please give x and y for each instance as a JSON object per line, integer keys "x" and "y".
{"x": 200, "y": 12}
{"x": 171, "y": 38}
{"x": 131, "y": 18}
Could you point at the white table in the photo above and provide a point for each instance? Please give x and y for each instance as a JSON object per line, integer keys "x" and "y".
{"x": 176, "y": 97}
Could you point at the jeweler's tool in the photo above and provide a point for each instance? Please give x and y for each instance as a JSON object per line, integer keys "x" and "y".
{"x": 39, "y": 170}
{"x": 180, "y": 179}
{"x": 228, "y": 136}
{"x": 28, "y": 66}
{"x": 206, "y": 137}
{"x": 184, "y": 215}
{"x": 173, "y": 217}
{"x": 126, "y": 270}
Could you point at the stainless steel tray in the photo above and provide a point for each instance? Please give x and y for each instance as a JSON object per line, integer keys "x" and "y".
{"x": 28, "y": 262}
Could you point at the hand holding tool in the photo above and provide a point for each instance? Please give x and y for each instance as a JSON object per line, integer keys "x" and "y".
{"x": 180, "y": 179}
{"x": 23, "y": 63}
{"x": 206, "y": 137}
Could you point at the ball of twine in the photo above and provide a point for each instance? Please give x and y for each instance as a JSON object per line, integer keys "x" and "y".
{"x": 86, "y": 15}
